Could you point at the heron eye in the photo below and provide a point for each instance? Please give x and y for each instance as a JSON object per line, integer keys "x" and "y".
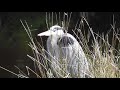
{"x": 55, "y": 29}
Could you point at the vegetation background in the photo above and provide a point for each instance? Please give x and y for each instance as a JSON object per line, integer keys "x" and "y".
{"x": 14, "y": 40}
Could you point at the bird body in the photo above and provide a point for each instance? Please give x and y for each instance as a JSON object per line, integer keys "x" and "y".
{"x": 65, "y": 53}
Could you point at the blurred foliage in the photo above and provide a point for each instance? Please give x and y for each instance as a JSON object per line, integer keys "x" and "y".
{"x": 14, "y": 40}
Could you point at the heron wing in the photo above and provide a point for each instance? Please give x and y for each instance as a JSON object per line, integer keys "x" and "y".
{"x": 76, "y": 59}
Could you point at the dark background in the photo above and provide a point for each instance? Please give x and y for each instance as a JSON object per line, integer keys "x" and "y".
{"x": 14, "y": 40}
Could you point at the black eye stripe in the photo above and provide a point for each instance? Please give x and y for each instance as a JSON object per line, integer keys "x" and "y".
{"x": 55, "y": 29}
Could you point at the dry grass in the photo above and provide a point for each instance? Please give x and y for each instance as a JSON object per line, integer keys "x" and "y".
{"x": 102, "y": 55}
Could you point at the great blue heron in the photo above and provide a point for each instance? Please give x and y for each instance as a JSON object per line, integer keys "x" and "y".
{"x": 63, "y": 46}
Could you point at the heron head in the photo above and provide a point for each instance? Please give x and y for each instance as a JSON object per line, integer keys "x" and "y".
{"x": 54, "y": 30}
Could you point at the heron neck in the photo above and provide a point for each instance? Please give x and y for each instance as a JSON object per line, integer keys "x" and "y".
{"x": 54, "y": 39}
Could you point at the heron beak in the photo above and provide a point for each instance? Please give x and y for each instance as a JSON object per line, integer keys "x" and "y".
{"x": 46, "y": 33}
